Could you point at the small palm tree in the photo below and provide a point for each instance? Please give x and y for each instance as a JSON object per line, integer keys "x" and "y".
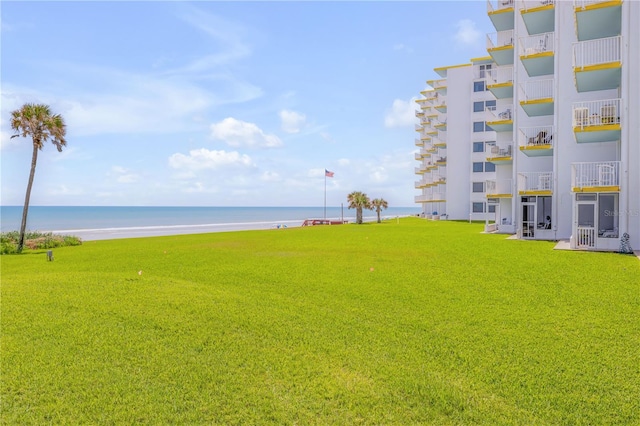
{"x": 379, "y": 204}
{"x": 358, "y": 200}
{"x": 36, "y": 121}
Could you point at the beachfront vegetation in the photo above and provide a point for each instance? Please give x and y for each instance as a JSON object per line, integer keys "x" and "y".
{"x": 358, "y": 200}
{"x": 403, "y": 322}
{"x": 378, "y": 204}
{"x": 35, "y": 240}
{"x": 37, "y": 122}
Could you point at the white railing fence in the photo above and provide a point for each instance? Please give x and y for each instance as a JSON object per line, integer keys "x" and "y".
{"x": 596, "y": 113}
{"x": 499, "y": 75}
{"x": 498, "y": 186}
{"x": 536, "y": 89}
{"x": 603, "y": 173}
{"x": 598, "y": 51}
{"x": 500, "y": 39}
{"x": 586, "y": 237}
{"x": 499, "y": 150}
{"x": 535, "y": 136}
{"x": 536, "y": 44}
{"x": 535, "y": 181}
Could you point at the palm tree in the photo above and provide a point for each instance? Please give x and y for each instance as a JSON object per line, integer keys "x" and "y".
{"x": 379, "y": 204}
{"x": 358, "y": 200}
{"x": 36, "y": 120}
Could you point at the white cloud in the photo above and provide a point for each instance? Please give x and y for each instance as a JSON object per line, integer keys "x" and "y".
{"x": 123, "y": 175}
{"x": 401, "y": 114}
{"x": 292, "y": 121}
{"x": 201, "y": 159}
{"x": 238, "y": 133}
{"x": 467, "y": 33}
{"x": 344, "y": 161}
{"x": 270, "y": 176}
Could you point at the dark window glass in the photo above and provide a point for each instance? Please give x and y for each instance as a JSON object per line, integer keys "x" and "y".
{"x": 478, "y": 207}
{"x": 492, "y": 208}
{"x": 478, "y": 167}
{"x": 478, "y": 86}
{"x": 478, "y": 186}
{"x": 478, "y": 106}
{"x": 478, "y": 147}
{"x": 489, "y": 167}
{"x": 478, "y": 126}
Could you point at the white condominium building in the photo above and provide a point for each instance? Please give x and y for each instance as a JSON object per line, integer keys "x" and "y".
{"x": 565, "y": 85}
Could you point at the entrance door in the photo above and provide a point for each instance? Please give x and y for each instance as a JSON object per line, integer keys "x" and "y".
{"x": 528, "y": 219}
{"x": 586, "y": 224}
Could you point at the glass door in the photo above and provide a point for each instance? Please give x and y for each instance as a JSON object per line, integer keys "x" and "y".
{"x": 528, "y": 219}
{"x": 586, "y": 226}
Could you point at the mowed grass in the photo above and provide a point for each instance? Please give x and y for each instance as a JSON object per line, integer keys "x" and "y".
{"x": 415, "y": 322}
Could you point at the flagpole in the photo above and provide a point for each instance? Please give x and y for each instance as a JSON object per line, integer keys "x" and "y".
{"x": 325, "y": 194}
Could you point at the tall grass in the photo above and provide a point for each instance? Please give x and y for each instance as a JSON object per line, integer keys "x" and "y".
{"x": 414, "y": 322}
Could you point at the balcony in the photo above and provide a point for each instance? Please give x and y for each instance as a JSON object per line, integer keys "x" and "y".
{"x": 500, "y": 153}
{"x": 440, "y": 86}
{"x": 500, "y": 82}
{"x": 499, "y": 118}
{"x": 418, "y": 127}
{"x": 418, "y": 170}
{"x": 597, "y": 18}
{"x": 536, "y": 141}
{"x": 602, "y": 176}
{"x": 440, "y": 141}
{"x": 424, "y": 198}
{"x": 500, "y": 47}
{"x": 418, "y": 142}
{"x": 439, "y": 179}
{"x": 538, "y": 15}
{"x": 537, "y": 97}
{"x": 426, "y": 151}
{"x": 535, "y": 183}
{"x": 499, "y": 188}
{"x": 440, "y": 161}
{"x": 417, "y": 156}
{"x": 597, "y": 121}
{"x": 441, "y": 106}
{"x": 537, "y": 53}
{"x": 441, "y": 125}
{"x": 438, "y": 197}
{"x": 501, "y": 14}
{"x": 419, "y": 184}
{"x": 597, "y": 64}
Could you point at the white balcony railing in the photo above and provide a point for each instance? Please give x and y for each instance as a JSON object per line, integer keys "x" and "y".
{"x": 598, "y": 51}
{"x": 536, "y": 89}
{"x": 535, "y": 136}
{"x": 438, "y": 84}
{"x": 499, "y": 75}
{"x": 498, "y": 187}
{"x": 492, "y": 6}
{"x": 596, "y": 113}
{"x": 599, "y": 174}
{"x": 499, "y": 39}
{"x": 532, "y": 4}
{"x": 501, "y": 150}
{"x": 438, "y": 196}
{"x": 418, "y": 128}
{"x": 534, "y": 44}
{"x": 422, "y": 198}
{"x": 535, "y": 181}
{"x": 499, "y": 113}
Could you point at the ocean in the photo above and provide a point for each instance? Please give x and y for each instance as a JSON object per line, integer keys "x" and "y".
{"x": 93, "y": 223}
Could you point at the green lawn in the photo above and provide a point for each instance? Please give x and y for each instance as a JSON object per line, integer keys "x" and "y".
{"x": 415, "y": 322}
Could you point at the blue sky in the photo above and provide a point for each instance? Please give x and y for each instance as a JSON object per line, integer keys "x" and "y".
{"x": 225, "y": 103}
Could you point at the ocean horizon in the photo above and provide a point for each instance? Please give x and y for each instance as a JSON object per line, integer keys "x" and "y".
{"x": 103, "y": 222}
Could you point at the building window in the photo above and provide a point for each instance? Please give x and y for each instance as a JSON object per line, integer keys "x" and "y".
{"x": 492, "y": 208}
{"x": 483, "y": 69}
{"x": 478, "y": 147}
{"x": 478, "y": 126}
{"x": 478, "y": 86}
{"x": 478, "y": 167}
{"x": 489, "y": 167}
{"x": 478, "y": 207}
{"x": 480, "y": 106}
{"x": 478, "y": 186}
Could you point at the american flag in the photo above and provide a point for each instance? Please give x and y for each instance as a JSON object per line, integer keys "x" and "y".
{"x": 327, "y": 173}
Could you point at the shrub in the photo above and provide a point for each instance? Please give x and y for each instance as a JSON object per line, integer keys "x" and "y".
{"x": 35, "y": 240}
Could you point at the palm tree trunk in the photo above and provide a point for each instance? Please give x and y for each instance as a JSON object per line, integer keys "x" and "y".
{"x": 25, "y": 210}
{"x": 378, "y": 211}
{"x": 359, "y": 215}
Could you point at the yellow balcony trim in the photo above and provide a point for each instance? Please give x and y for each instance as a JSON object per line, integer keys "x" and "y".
{"x": 599, "y": 67}
{"x": 500, "y": 85}
{"x": 538, "y": 9}
{"x": 537, "y": 101}
{"x": 505, "y": 158}
{"x": 420, "y": 101}
{"x": 596, "y": 189}
{"x": 440, "y": 145}
{"x": 499, "y": 11}
{"x": 499, "y": 48}
{"x": 599, "y": 5}
{"x": 536, "y": 55}
{"x": 450, "y": 66}
{"x": 499, "y": 196}
{"x": 534, "y": 147}
{"x": 489, "y": 123}
{"x": 481, "y": 59}
{"x": 600, "y": 128}
{"x": 544, "y": 192}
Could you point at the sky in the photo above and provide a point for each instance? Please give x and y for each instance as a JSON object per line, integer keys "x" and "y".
{"x": 225, "y": 103}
